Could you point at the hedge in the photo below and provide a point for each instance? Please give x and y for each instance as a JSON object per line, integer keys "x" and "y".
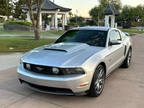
{"x": 18, "y": 22}
{"x": 17, "y": 25}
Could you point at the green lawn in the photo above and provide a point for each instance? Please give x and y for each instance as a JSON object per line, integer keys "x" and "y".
{"x": 25, "y": 33}
{"x": 21, "y": 45}
{"x": 132, "y": 31}
{"x": 25, "y": 44}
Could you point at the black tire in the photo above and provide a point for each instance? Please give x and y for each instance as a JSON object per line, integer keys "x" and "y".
{"x": 97, "y": 86}
{"x": 127, "y": 61}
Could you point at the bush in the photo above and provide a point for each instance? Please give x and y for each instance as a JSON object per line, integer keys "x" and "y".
{"x": 60, "y": 25}
{"x": 17, "y": 25}
{"x": 73, "y": 24}
{"x": 2, "y": 20}
{"x": 18, "y": 22}
{"x": 133, "y": 24}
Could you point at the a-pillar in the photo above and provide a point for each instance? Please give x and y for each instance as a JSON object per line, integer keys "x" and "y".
{"x": 107, "y": 21}
{"x": 56, "y": 20}
{"x": 28, "y": 19}
{"x": 112, "y": 21}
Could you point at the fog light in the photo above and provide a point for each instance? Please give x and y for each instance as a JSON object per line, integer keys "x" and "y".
{"x": 55, "y": 71}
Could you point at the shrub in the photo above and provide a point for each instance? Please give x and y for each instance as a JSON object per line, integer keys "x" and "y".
{"x": 2, "y": 20}
{"x": 17, "y": 25}
{"x": 18, "y": 22}
{"x": 73, "y": 24}
{"x": 133, "y": 24}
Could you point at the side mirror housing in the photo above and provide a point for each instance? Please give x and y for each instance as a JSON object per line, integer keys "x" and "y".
{"x": 115, "y": 42}
{"x": 126, "y": 33}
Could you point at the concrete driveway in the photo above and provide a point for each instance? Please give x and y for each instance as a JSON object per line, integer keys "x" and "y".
{"x": 123, "y": 89}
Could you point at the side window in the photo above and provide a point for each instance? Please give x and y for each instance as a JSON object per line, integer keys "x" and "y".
{"x": 115, "y": 35}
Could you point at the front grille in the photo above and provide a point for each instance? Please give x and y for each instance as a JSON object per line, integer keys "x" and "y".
{"x": 40, "y": 69}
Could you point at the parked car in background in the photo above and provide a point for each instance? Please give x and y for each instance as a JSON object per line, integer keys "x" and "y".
{"x": 77, "y": 63}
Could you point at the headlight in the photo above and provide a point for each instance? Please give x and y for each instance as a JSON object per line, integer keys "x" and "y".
{"x": 70, "y": 71}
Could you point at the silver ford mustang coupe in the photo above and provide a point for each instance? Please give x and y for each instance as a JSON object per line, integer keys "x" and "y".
{"x": 77, "y": 63}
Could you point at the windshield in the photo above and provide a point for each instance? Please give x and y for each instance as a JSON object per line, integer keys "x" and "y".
{"x": 90, "y": 37}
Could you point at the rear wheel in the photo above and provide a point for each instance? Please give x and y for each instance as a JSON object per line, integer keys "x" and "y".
{"x": 127, "y": 61}
{"x": 97, "y": 84}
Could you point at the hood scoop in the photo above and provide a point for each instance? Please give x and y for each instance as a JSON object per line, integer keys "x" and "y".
{"x": 52, "y": 49}
{"x": 66, "y": 47}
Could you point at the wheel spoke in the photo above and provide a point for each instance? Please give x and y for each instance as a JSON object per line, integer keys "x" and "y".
{"x": 99, "y": 84}
{"x": 129, "y": 58}
{"x": 101, "y": 73}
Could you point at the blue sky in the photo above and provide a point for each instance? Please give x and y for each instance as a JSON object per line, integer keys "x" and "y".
{"x": 83, "y": 6}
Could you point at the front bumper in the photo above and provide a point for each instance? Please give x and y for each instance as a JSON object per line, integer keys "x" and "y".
{"x": 54, "y": 84}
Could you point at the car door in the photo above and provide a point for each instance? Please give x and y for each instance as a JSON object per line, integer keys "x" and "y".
{"x": 115, "y": 52}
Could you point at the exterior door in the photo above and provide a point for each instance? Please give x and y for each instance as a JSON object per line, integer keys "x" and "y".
{"x": 116, "y": 52}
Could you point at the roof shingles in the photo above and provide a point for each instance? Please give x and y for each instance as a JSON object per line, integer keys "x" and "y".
{"x": 47, "y": 5}
{"x": 111, "y": 10}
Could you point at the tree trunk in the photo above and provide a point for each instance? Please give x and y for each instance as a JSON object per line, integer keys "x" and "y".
{"x": 37, "y": 33}
{"x": 7, "y": 9}
{"x": 36, "y": 25}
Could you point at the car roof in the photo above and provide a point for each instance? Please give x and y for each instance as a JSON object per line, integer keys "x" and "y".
{"x": 92, "y": 28}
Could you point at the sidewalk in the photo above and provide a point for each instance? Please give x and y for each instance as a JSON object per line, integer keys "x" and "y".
{"x": 9, "y": 60}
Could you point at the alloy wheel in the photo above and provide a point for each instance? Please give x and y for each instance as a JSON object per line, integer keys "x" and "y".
{"x": 99, "y": 84}
{"x": 129, "y": 58}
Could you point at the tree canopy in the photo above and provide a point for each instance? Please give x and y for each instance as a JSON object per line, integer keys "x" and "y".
{"x": 133, "y": 14}
{"x": 5, "y": 8}
{"x": 18, "y": 12}
{"x": 97, "y": 12}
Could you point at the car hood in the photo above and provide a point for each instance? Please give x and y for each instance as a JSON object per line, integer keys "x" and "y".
{"x": 61, "y": 54}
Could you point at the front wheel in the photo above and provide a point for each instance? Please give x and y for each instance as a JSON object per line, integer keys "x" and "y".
{"x": 97, "y": 84}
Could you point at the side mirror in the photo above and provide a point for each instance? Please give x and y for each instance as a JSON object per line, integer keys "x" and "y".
{"x": 126, "y": 33}
{"x": 115, "y": 42}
